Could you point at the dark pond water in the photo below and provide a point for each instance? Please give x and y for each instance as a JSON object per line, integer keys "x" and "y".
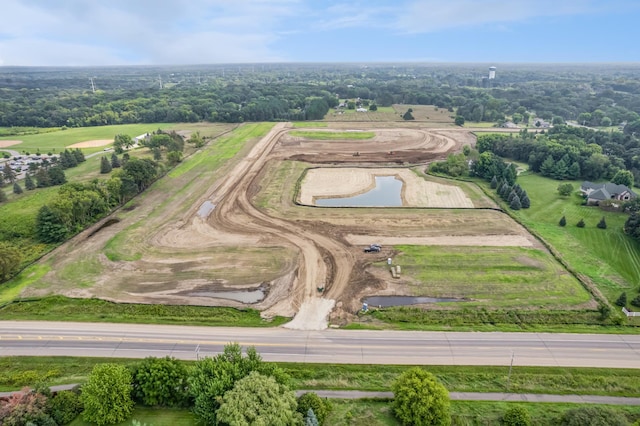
{"x": 387, "y": 301}
{"x": 252, "y": 296}
{"x": 387, "y": 193}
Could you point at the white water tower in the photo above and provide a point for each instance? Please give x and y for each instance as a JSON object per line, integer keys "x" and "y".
{"x": 492, "y": 73}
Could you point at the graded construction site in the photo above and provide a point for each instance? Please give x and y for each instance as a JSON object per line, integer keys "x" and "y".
{"x": 237, "y": 224}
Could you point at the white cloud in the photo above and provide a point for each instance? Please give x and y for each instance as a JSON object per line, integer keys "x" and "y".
{"x": 140, "y": 31}
{"x": 422, "y": 16}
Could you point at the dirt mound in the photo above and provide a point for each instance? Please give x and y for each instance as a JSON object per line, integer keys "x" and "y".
{"x": 92, "y": 143}
{"x": 5, "y": 144}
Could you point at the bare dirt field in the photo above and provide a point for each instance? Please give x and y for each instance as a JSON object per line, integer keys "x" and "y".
{"x": 92, "y": 144}
{"x": 5, "y": 144}
{"x": 205, "y": 232}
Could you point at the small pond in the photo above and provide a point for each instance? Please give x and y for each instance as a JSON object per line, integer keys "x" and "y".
{"x": 252, "y": 296}
{"x": 387, "y": 301}
{"x": 387, "y": 193}
{"x": 205, "y": 209}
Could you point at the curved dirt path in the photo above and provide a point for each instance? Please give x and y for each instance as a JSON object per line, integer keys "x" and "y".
{"x": 323, "y": 262}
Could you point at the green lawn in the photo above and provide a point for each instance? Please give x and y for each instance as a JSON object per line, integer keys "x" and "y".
{"x": 322, "y": 135}
{"x": 494, "y": 277}
{"x": 56, "y": 141}
{"x": 608, "y": 257}
{"x": 307, "y": 124}
{"x": 153, "y": 417}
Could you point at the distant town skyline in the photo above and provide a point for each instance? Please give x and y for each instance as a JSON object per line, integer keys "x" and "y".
{"x": 144, "y": 32}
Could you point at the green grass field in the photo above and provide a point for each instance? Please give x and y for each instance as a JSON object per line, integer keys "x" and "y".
{"x": 326, "y": 136}
{"x": 608, "y": 257}
{"x": 308, "y": 124}
{"x": 495, "y": 277}
{"x": 146, "y": 416}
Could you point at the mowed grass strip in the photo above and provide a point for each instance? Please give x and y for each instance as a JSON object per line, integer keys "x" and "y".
{"x": 16, "y": 372}
{"x": 608, "y": 257}
{"x": 59, "y": 308}
{"x": 328, "y": 135}
{"x": 489, "y": 276}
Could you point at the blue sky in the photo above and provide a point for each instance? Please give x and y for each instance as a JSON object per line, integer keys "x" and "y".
{"x": 135, "y": 32}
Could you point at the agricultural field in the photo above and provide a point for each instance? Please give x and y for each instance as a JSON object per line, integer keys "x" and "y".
{"x": 235, "y": 225}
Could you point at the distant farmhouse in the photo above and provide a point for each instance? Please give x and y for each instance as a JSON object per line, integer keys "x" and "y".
{"x": 596, "y": 192}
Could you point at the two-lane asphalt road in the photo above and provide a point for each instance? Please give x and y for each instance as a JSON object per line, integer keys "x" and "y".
{"x": 336, "y": 346}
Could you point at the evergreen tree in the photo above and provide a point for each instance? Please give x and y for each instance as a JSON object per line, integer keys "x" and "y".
{"x": 28, "y": 182}
{"x": 546, "y": 169}
{"x": 56, "y": 175}
{"x": 580, "y": 224}
{"x": 559, "y": 171}
{"x": 17, "y": 189}
{"x": 494, "y": 182}
{"x": 115, "y": 161}
{"x": 3, "y": 196}
{"x": 524, "y": 200}
{"x": 574, "y": 171}
{"x": 78, "y": 156}
{"x": 9, "y": 174}
{"x": 622, "y": 300}
{"x": 563, "y": 221}
{"x": 42, "y": 178}
{"x": 1, "y": 180}
{"x": 512, "y": 194}
{"x": 515, "y": 203}
{"x": 602, "y": 224}
{"x": 105, "y": 165}
{"x": 310, "y": 419}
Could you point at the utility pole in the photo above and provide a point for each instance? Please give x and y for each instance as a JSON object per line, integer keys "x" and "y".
{"x": 510, "y": 368}
{"x": 93, "y": 86}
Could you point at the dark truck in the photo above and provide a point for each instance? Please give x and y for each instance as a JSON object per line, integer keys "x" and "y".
{"x": 373, "y": 248}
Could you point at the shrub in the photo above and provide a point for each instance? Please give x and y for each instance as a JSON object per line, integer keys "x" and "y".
{"x": 563, "y": 221}
{"x": 65, "y": 407}
{"x": 602, "y": 224}
{"x": 107, "y": 395}
{"x": 321, "y": 407}
{"x": 161, "y": 382}
{"x": 622, "y": 300}
{"x": 636, "y": 301}
{"x": 593, "y": 416}
{"x": 420, "y": 399}
{"x": 516, "y": 416}
{"x": 580, "y": 224}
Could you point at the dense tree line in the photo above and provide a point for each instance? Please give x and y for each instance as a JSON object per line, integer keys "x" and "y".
{"x": 594, "y": 96}
{"x": 570, "y": 153}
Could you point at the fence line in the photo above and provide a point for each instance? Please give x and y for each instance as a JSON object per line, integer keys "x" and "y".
{"x": 630, "y": 314}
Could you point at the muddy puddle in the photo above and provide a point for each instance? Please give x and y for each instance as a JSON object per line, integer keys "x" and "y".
{"x": 388, "y": 301}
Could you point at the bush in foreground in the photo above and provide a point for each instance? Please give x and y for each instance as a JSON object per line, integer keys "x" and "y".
{"x": 310, "y": 400}
{"x": 420, "y": 399}
{"x": 593, "y": 416}
{"x": 107, "y": 395}
{"x": 516, "y": 416}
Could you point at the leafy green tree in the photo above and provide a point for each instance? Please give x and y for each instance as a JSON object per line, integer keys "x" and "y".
{"x": 420, "y": 399}
{"x": 211, "y": 378}
{"x": 10, "y": 258}
{"x": 196, "y": 140}
{"x": 122, "y": 142}
{"x": 408, "y": 116}
{"x": 161, "y": 382}
{"x": 107, "y": 395}
{"x": 622, "y": 300}
{"x": 311, "y": 401}
{"x": 580, "y": 224}
{"x": 565, "y": 189}
{"x": 174, "y": 157}
{"x": 516, "y": 416}
{"x": 65, "y": 407}
{"x": 105, "y": 165}
{"x": 459, "y": 120}
{"x": 373, "y": 107}
{"x": 602, "y": 224}
{"x": 259, "y": 400}
{"x": 50, "y": 225}
{"x": 623, "y": 177}
{"x": 563, "y": 221}
{"x": 593, "y": 416}
{"x": 143, "y": 172}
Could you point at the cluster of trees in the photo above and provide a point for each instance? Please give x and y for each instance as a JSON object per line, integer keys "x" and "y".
{"x": 227, "y": 389}
{"x": 80, "y": 204}
{"x": 39, "y": 407}
{"x": 502, "y": 177}
{"x": 602, "y": 224}
{"x": 571, "y": 153}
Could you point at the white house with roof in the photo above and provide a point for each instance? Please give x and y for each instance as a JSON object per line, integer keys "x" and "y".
{"x": 596, "y": 192}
